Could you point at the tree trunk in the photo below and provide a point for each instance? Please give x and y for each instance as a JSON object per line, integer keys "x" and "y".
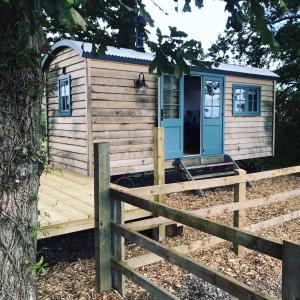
{"x": 21, "y": 161}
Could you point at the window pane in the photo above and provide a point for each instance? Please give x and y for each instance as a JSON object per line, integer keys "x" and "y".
{"x": 208, "y": 112}
{"x": 216, "y": 87}
{"x": 62, "y": 89}
{"x": 240, "y": 106}
{"x": 250, "y": 95}
{"x": 67, "y": 103}
{"x": 208, "y": 100}
{"x": 63, "y": 103}
{"x": 171, "y": 97}
{"x": 255, "y": 106}
{"x": 175, "y": 83}
{"x": 243, "y": 94}
{"x": 171, "y": 82}
{"x": 208, "y": 87}
{"x": 171, "y": 112}
{"x": 216, "y": 100}
{"x": 216, "y": 112}
{"x": 167, "y": 82}
{"x": 250, "y": 106}
{"x": 167, "y": 97}
{"x": 175, "y": 97}
{"x": 255, "y": 95}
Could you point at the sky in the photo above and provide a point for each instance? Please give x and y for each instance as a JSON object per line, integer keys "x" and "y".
{"x": 203, "y": 24}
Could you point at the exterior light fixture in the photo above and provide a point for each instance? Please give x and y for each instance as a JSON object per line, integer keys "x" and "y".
{"x": 140, "y": 83}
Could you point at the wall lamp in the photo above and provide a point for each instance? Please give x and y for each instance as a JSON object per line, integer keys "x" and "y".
{"x": 140, "y": 83}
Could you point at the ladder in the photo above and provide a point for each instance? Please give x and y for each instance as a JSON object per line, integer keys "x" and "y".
{"x": 197, "y": 168}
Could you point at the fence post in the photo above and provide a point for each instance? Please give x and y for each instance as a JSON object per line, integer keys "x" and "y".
{"x": 102, "y": 217}
{"x": 118, "y": 243}
{"x": 159, "y": 173}
{"x": 239, "y": 215}
{"x": 290, "y": 271}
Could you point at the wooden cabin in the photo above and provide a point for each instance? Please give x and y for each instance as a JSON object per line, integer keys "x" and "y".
{"x": 227, "y": 110}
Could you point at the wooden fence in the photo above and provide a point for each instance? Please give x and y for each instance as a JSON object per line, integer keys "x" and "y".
{"x": 110, "y": 231}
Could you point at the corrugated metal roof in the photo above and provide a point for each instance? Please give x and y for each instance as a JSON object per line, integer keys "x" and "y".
{"x": 129, "y": 55}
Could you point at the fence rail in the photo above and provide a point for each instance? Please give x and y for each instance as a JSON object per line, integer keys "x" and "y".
{"x": 111, "y": 232}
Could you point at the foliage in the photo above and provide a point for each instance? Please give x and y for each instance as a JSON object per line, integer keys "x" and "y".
{"x": 40, "y": 267}
{"x": 110, "y": 22}
{"x": 247, "y": 47}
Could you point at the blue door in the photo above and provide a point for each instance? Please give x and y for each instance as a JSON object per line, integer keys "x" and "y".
{"x": 171, "y": 114}
{"x": 212, "y": 115}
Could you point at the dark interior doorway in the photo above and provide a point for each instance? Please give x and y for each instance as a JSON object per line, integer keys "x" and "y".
{"x": 192, "y": 115}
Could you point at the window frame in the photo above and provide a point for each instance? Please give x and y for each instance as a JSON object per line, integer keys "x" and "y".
{"x": 171, "y": 94}
{"x": 246, "y": 87}
{"x": 64, "y": 78}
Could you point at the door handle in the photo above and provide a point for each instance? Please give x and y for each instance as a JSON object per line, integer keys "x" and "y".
{"x": 162, "y": 114}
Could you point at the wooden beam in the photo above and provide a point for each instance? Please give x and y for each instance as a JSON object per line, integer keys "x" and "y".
{"x": 144, "y": 282}
{"x": 159, "y": 160}
{"x": 159, "y": 174}
{"x": 187, "y": 186}
{"x": 216, "y": 210}
{"x": 222, "y": 281}
{"x": 118, "y": 247}
{"x": 206, "y": 243}
{"x": 247, "y": 239}
{"x": 273, "y": 173}
{"x": 102, "y": 217}
{"x": 274, "y": 221}
{"x": 239, "y": 215}
{"x": 290, "y": 271}
{"x": 274, "y": 117}
{"x": 212, "y": 183}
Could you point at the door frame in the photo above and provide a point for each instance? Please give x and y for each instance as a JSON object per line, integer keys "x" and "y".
{"x": 197, "y": 74}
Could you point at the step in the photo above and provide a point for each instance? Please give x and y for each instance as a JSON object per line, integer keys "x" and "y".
{"x": 219, "y": 174}
{"x": 210, "y": 165}
{"x": 212, "y": 159}
{"x": 193, "y": 161}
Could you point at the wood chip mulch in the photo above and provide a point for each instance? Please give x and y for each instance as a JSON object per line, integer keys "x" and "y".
{"x": 71, "y": 272}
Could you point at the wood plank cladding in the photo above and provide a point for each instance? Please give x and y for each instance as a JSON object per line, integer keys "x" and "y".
{"x": 106, "y": 107}
{"x": 249, "y": 137}
{"x": 67, "y": 136}
{"x": 123, "y": 115}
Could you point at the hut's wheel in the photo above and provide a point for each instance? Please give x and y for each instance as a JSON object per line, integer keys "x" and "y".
{"x": 125, "y": 181}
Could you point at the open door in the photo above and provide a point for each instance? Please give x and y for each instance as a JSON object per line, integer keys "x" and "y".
{"x": 171, "y": 114}
{"x": 212, "y": 129}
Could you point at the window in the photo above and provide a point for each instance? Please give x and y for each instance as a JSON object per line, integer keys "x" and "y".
{"x": 212, "y": 96}
{"x": 171, "y": 94}
{"x": 64, "y": 95}
{"x": 246, "y": 100}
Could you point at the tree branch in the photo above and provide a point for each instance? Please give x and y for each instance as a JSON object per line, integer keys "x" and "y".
{"x": 286, "y": 18}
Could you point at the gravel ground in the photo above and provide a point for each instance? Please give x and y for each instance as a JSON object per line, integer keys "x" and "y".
{"x": 71, "y": 265}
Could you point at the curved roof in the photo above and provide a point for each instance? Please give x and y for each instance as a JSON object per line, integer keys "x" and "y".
{"x": 84, "y": 49}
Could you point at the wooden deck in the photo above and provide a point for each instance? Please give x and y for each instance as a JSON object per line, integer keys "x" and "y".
{"x": 66, "y": 204}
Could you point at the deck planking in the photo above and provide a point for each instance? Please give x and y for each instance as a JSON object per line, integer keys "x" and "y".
{"x": 66, "y": 204}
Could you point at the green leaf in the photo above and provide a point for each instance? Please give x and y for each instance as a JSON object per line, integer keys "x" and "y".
{"x": 187, "y": 6}
{"x": 78, "y": 18}
{"x": 199, "y": 3}
{"x": 282, "y": 4}
{"x": 262, "y": 26}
